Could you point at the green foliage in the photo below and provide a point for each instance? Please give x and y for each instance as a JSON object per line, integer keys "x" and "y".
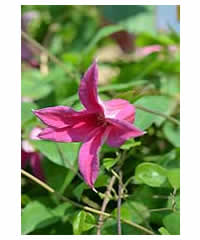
{"x": 172, "y": 133}
{"x": 60, "y": 153}
{"x": 174, "y": 177}
{"x": 104, "y": 32}
{"x": 151, "y": 174}
{"x": 160, "y": 104}
{"x": 82, "y": 222}
{"x": 109, "y": 162}
{"x": 163, "y": 231}
{"x": 26, "y": 111}
{"x": 151, "y": 163}
{"x": 172, "y": 223}
{"x": 134, "y": 211}
{"x": 35, "y": 215}
{"x": 34, "y": 85}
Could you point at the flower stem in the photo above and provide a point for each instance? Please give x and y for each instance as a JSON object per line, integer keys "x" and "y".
{"x": 120, "y": 189}
{"x": 105, "y": 203}
{"x": 89, "y": 209}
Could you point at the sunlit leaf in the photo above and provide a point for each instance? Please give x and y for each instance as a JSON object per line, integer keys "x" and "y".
{"x": 83, "y": 222}
{"x": 172, "y": 133}
{"x": 151, "y": 174}
{"x": 63, "y": 154}
{"x": 163, "y": 231}
{"x": 109, "y": 162}
{"x": 174, "y": 177}
{"x": 34, "y": 215}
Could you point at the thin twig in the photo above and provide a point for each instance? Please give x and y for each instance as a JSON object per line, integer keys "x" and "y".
{"x": 120, "y": 189}
{"x": 50, "y": 55}
{"x": 159, "y": 114}
{"x": 105, "y": 203}
{"x": 138, "y": 227}
{"x": 89, "y": 209}
{"x": 160, "y": 209}
{"x": 108, "y": 191}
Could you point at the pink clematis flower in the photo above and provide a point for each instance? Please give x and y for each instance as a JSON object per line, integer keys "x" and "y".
{"x": 99, "y": 122}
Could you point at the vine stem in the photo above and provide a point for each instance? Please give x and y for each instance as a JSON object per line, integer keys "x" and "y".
{"x": 105, "y": 203}
{"x": 120, "y": 189}
{"x": 159, "y": 114}
{"x": 107, "y": 194}
{"x": 50, "y": 55}
{"x": 89, "y": 209}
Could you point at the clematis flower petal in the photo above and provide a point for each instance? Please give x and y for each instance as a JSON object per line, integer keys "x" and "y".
{"x": 120, "y": 131}
{"x": 120, "y": 109}
{"x": 88, "y": 155}
{"x": 35, "y": 162}
{"x": 60, "y": 116}
{"x": 75, "y": 133}
{"x": 88, "y": 90}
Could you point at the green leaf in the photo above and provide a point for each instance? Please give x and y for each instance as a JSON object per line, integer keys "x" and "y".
{"x": 166, "y": 160}
{"x": 110, "y": 228}
{"x": 102, "y": 33}
{"x": 35, "y": 215}
{"x": 63, "y": 210}
{"x": 34, "y": 85}
{"x": 172, "y": 223}
{"x": 172, "y": 133}
{"x": 151, "y": 174}
{"x": 130, "y": 144}
{"x": 53, "y": 152}
{"x": 25, "y": 199}
{"x": 144, "y": 194}
{"x": 102, "y": 180}
{"x": 58, "y": 177}
{"x": 109, "y": 162}
{"x": 83, "y": 222}
{"x": 163, "y": 231}
{"x": 174, "y": 177}
{"x": 162, "y": 104}
{"x": 133, "y": 211}
{"x": 26, "y": 110}
{"x": 78, "y": 191}
{"x": 79, "y": 222}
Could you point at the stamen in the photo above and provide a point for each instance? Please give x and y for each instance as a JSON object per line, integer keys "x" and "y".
{"x": 101, "y": 120}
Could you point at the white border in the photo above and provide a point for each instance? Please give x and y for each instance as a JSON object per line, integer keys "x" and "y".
{"x": 10, "y": 117}
{"x": 101, "y": 237}
{"x": 100, "y": 2}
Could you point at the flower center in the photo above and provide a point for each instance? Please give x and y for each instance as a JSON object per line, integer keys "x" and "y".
{"x": 101, "y": 120}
